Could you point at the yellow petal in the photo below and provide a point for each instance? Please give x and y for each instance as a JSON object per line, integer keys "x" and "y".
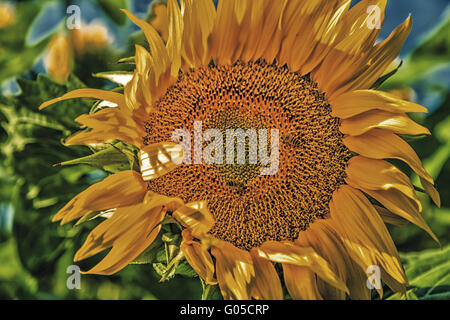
{"x": 226, "y": 32}
{"x": 287, "y": 252}
{"x": 431, "y": 190}
{"x": 356, "y": 102}
{"x": 113, "y": 97}
{"x": 121, "y": 189}
{"x": 363, "y": 232}
{"x": 356, "y": 35}
{"x": 395, "y": 122}
{"x": 389, "y": 217}
{"x": 160, "y": 19}
{"x": 251, "y": 27}
{"x": 381, "y": 144}
{"x": 198, "y": 257}
{"x": 269, "y": 44}
{"x": 267, "y": 284}
{"x": 174, "y": 41}
{"x": 159, "y": 159}
{"x": 324, "y": 240}
{"x": 235, "y": 272}
{"x": 397, "y": 202}
{"x": 107, "y": 124}
{"x": 160, "y": 58}
{"x": 196, "y": 217}
{"x": 379, "y": 59}
{"x": 375, "y": 174}
{"x": 129, "y": 231}
{"x": 199, "y": 17}
{"x": 323, "y": 23}
{"x": 354, "y": 40}
{"x": 300, "y": 282}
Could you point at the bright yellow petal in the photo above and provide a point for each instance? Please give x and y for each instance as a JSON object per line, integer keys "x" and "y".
{"x": 174, "y": 41}
{"x": 381, "y": 144}
{"x": 226, "y": 32}
{"x": 379, "y": 59}
{"x": 389, "y": 217}
{"x": 235, "y": 272}
{"x": 301, "y": 282}
{"x": 269, "y": 44}
{"x": 353, "y": 103}
{"x": 288, "y": 252}
{"x": 324, "y": 240}
{"x": 107, "y": 124}
{"x": 121, "y": 189}
{"x": 363, "y": 232}
{"x": 431, "y": 190}
{"x": 397, "y": 202}
{"x": 251, "y": 34}
{"x": 354, "y": 41}
{"x": 324, "y": 23}
{"x": 160, "y": 57}
{"x": 196, "y": 217}
{"x": 199, "y": 17}
{"x": 267, "y": 284}
{"x": 375, "y": 174}
{"x": 198, "y": 257}
{"x": 114, "y": 97}
{"x": 129, "y": 231}
{"x": 395, "y": 122}
{"x": 159, "y": 19}
{"x": 356, "y": 35}
{"x": 159, "y": 159}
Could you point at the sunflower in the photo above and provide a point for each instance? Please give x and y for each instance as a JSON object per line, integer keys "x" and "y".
{"x": 307, "y": 68}
{"x": 7, "y": 13}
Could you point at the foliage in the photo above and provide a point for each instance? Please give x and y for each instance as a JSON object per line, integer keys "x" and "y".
{"x": 35, "y": 253}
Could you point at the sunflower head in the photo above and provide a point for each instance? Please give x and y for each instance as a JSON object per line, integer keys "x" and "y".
{"x": 295, "y": 77}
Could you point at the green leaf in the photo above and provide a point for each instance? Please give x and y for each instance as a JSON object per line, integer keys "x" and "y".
{"x": 115, "y": 158}
{"x": 385, "y": 77}
{"x": 410, "y": 295}
{"x": 431, "y": 55}
{"x": 149, "y": 255}
{"x": 128, "y": 60}
{"x": 429, "y": 272}
{"x": 14, "y": 63}
{"x": 16, "y": 56}
{"x": 184, "y": 269}
{"x": 12, "y": 271}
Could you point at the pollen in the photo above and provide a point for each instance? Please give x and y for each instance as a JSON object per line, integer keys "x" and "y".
{"x": 251, "y": 208}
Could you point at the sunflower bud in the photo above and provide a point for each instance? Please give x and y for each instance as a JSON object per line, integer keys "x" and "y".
{"x": 92, "y": 37}
{"x": 6, "y": 15}
{"x": 58, "y": 61}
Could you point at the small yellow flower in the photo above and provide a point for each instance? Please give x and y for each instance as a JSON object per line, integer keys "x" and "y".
{"x": 91, "y": 37}
{"x": 6, "y": 15}
{"x": 303, "y": 67}
{"x": 59, "y": 58}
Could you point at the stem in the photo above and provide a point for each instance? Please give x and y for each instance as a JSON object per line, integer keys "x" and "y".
{"x": 208, "y": 290}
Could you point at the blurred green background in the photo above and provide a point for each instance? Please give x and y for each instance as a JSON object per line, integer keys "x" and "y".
{"x": 35, "y": 253}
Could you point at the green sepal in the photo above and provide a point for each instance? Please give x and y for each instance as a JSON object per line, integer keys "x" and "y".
{"x": 115, "y": 158}
{"x": 385, "y": 77}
